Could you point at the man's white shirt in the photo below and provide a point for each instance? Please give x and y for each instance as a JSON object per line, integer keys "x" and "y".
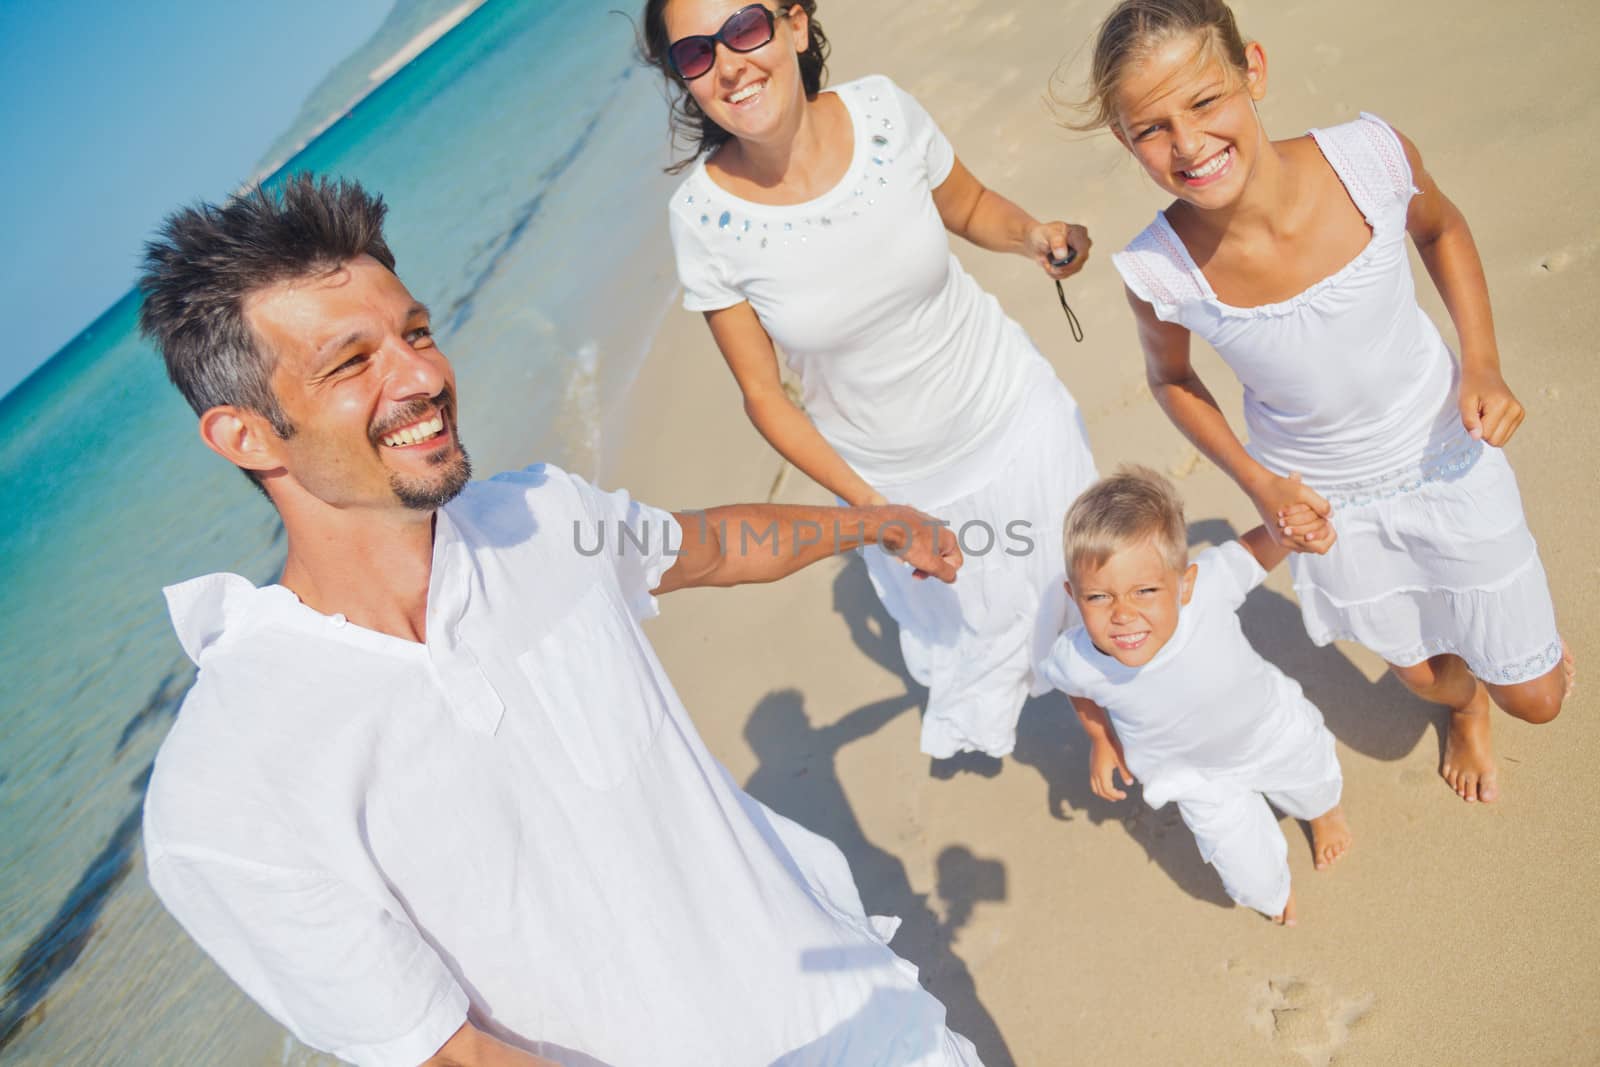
{"x": 517, "y": 819}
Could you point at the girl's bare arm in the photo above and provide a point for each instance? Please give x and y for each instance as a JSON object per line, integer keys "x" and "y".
{"x": 1294, "y": 514}
{"x": 1489, "y": 409}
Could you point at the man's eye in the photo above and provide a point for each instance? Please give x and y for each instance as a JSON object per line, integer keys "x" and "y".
{"x": 421, "y": 336}
{"x": 350, "y": 364}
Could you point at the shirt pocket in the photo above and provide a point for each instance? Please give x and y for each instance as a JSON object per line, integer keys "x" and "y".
{"x": 597, "y": 685}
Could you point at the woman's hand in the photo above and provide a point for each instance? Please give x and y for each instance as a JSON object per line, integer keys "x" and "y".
{"x": 1050, "y": 243}
{"x": 1489, "y": 410}
{"x": 1295, "y": 515}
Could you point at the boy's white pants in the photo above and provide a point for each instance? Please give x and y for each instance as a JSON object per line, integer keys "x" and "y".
{"x": 1236, "y": 830}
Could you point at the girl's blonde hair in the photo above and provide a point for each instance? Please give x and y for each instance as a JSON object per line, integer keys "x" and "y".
{"x": 1135, "y": 29}
{"x": 1134, "y": 506}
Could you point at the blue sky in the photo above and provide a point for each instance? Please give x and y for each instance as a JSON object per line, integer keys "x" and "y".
{"x": 116, "y": 112}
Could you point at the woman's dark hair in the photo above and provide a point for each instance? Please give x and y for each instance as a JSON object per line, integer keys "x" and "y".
{"x": 690, "y": 126}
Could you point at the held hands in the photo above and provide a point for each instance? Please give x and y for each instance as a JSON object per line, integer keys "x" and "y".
{"x": 1295, "y": 515}
{"x": 1105, "y": 760}
{"x": 925, "y": 543}
{"x": 1048, "y": 243}
{"x": 1489, "y": 411}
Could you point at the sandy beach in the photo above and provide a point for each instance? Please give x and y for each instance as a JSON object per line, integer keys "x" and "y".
{"x": 1059, "y": 928}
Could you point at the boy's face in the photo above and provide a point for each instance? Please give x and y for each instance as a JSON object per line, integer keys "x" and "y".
{"x": 1130, "y": 603}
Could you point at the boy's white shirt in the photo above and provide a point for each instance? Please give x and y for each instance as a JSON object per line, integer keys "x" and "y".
{"x": 1207, "y": 706}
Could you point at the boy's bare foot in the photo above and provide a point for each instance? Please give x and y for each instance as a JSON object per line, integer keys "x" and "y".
{"x": 1330, "y": 837}
{"x": 1287, "y": 918}
{"x": 1469, "y": 764}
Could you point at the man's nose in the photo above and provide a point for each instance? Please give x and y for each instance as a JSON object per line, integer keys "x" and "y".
{"x": 415, "y": 373}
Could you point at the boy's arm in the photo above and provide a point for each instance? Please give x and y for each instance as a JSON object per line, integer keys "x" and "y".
{"x": 1259, "y": 543}
{"x": 1105, "y": 751}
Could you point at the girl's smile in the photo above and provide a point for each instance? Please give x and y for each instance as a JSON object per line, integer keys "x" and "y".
{"x": 1193, "y": 127}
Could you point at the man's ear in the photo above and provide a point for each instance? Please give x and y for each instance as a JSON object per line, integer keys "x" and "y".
{"x": 1188, "y": 581}
{"x": 242, "y": 437}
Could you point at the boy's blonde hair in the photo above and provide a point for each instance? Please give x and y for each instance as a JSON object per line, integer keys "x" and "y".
{"x": 1131, "y": 507}
{"x": 1135, "y": 28}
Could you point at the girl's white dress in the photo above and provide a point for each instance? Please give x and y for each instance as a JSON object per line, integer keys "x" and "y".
{"x": 1350, "y": 385}
{"x": 918, "y": 379}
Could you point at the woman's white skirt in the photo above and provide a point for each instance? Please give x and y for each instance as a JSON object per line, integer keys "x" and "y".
{"x": 1435, "y": 559}
{"x": 975, "y": 643}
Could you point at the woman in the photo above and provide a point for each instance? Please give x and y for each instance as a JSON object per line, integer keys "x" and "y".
{"x": 816, "y": 221}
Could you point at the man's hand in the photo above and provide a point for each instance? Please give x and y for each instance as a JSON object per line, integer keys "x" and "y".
{"x": 1105, "y": 761}
{"x": 1489, "y": 410}
{"x": 922, "y": 541}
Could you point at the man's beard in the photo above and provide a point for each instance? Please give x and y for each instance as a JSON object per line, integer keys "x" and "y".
{"x": 434, "y": 493}
{"x": 456, "y": 467}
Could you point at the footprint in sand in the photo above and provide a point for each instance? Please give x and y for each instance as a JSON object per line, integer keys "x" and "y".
{"x": 1305, "y": 1018}
{"x": 1556, "y": 261}
{"x": 1187, "y": 465}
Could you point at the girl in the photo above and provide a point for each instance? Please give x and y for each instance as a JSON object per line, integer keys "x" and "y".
{"x": 1289, "y": 257}
{"x": 815, "y": 221}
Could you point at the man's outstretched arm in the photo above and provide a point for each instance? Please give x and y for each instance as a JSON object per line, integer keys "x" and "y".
{"x": 743, "y": 543}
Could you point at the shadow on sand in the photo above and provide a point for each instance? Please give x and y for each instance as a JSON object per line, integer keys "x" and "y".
{"x": 798, "y": 776}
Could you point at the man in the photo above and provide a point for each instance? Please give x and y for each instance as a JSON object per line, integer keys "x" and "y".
{"x": 432, "y": 798}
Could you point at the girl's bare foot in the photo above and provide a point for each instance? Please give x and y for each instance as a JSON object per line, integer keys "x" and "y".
{"x": 1287, "y": 918}
{"x": 1469, "y": 764}
{"x": 1330, "y": 837}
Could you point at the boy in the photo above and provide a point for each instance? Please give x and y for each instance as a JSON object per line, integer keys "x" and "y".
{"x": 1165, "y": 683}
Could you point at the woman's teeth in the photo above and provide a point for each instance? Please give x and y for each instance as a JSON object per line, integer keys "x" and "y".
{"x": 747, "y": 92}
{"x": 1210, "y": 167}
{"x": 411, "y": 435}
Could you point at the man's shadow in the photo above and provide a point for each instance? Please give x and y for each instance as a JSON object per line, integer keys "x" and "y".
{"x": 798, "y": 776}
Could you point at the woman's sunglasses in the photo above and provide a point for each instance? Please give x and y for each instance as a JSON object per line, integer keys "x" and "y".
{"x": 747, "y": 29}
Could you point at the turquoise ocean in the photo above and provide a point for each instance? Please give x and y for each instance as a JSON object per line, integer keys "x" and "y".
{"x": 521, "y": 159}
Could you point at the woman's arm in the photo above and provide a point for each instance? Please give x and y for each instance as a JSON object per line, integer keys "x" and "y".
{"x": 987, "y": 219}
{"x": 1489, "y": 410}
{"x": 754, "y": 363}
{"x": 1295, "y": 514}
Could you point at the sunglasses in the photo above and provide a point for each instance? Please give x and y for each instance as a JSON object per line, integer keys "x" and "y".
{"x": 747, "y": 29}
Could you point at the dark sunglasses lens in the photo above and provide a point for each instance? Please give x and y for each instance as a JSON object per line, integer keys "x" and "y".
{"x": 692, "y": 56}
{"x": 748, "y": 29}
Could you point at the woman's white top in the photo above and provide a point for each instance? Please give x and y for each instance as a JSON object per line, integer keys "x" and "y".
{"x": 1206, "y": 706}
{"x": 906, "y": 365}
{"x": 1348, "y": 379}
